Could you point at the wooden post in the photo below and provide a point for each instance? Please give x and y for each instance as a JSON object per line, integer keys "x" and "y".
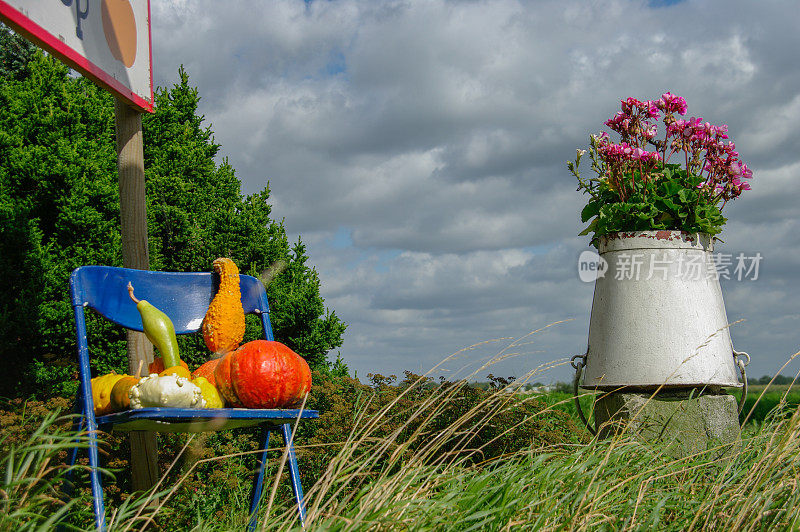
{"x": 133, "y": 211}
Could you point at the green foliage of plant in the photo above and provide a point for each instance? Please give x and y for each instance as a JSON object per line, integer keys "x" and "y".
{"x": 59, "y": 209}
{"x": 56, "y": 212}
{"x": 418, "y": 403}
{"x": 15, "y": 52}
{"x": 39, "y": 490}
{"x": 59, "y": 376}
{"x": 765, "y": 405}
{"x": 639, "y": 190}
{"x": 670, "y": 200}
{"x": 615, "y": 484}
{"x": 564, "y": 401}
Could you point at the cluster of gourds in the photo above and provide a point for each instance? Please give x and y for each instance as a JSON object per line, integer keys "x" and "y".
{"x": 258, "y": 374}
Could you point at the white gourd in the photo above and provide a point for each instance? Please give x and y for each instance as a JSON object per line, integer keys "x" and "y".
{"x": 166, "y": 391}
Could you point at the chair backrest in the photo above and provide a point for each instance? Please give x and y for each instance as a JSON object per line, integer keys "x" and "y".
{"x": 184, "y": 297}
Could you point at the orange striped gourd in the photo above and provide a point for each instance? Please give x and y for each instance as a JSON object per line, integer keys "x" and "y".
{"x": 223, "y": 325}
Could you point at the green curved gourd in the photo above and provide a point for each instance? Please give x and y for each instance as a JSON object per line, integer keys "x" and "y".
{"x": 159, "y": 329}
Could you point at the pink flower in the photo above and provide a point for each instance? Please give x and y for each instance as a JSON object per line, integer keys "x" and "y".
{"x": 631, "y": 105}
{"x": 669, "y": 103}
{"x": 690, "y": 130}
{"x": 705, "y": 147}
{"x": 741, "y": 185}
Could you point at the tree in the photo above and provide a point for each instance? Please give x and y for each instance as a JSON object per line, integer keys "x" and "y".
{"x": 15, "y": 52}
{"x": 59, "y": 209}
{"x": 58, "y": 205}
{"x": 298, "y": 308}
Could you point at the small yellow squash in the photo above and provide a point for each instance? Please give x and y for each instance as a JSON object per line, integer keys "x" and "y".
{"x": 119, "y": 393}
{"x": 210, "y": 393}
{"x": 101, "y": 392}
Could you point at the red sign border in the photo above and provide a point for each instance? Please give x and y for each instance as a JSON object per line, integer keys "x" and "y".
{"x": 42, "y": 37}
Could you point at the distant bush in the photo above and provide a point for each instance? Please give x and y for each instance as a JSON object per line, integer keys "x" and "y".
{"x": 766, "y": 379}
{"x": 469, "y": 423}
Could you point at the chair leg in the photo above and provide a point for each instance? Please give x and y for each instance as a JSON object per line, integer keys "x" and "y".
{"x": 258, "y": 479}
{"x": 98, "y": 506}
{"x": 294, "y": 476}
{"x": 94, "y": 478}
{"x": 294, "y": 473}
{"x": 77, "y": 426}
{"x": 69, "y": 485}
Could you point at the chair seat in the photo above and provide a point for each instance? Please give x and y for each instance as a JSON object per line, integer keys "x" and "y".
{"x": 199, "y": 419}
{"x": 185, "y": 298}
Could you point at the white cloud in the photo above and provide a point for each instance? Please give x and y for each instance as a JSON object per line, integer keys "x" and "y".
{"x": 434, "y": 135}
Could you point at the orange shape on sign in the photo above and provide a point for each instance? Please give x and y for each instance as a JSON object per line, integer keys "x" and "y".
{"x": 119, "y": 26}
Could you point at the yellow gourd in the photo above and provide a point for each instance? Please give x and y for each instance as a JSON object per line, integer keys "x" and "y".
{"x": 223, "y": 325}
{"x": 210, "y": 393}
{"x": 119, "y": 393}
{"x": 101, "y": 392}
{"x": 180, "y": 371}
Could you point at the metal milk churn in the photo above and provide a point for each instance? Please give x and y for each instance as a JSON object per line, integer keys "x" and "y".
{"x": 658, "y": 318}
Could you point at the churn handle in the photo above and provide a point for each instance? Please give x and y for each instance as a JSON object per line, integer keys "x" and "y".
{"x": 738, "y": 357}
{"x": 578, "y": 361}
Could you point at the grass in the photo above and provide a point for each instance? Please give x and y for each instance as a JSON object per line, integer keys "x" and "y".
{"x": 30, "y": 479}
{"x": 614, "y": 484}
{"x": 420, "y": 475}
{"x": 611, "y": 485}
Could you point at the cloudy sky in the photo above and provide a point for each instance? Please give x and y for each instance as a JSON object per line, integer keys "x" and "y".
{"x": 419, "y": 149}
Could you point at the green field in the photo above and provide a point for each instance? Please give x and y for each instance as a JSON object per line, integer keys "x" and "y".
{"x": 762, "y": 400}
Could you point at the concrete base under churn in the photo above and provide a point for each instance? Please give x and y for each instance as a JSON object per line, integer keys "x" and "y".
{"x": 687, "y": 422}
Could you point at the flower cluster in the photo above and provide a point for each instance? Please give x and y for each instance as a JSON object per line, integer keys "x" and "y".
{"x": 633, "y": 122}
{"x": 623, "y": 160}
{"x": 670, "y": 104}
{"x": 705, "y": 147}
{"x": 625, "y": 152}
{"x": 707, "y": 154}
{"x": 637, "y": 187}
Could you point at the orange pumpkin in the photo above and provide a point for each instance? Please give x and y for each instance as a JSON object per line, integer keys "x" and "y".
{"x": 157, "y": 365}
{"x": 268, "y": 374}
{"x": 207, "y": 371}
{"x": 223, "y": 383}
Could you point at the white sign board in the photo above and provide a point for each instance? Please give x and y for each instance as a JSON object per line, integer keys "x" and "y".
{"x": 106, "y": 40}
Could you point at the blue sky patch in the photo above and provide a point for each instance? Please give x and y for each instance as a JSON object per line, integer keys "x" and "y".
{"x": 663, "y": 3}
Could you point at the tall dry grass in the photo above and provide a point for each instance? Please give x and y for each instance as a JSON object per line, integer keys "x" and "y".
{"x": 413, "y": 478}
{"x": 617, "y": 484}
{"x": 614, "y": 484}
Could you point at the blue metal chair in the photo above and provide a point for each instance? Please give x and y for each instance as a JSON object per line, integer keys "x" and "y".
{"x": 184, "y": 297}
